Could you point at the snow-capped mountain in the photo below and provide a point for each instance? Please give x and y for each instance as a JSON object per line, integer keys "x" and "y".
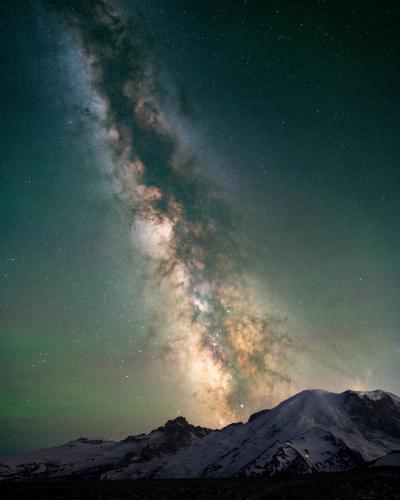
{"x": 313, "y": 431}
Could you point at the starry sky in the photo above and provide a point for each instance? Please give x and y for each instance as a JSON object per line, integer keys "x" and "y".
{"x": 200, "y": 208}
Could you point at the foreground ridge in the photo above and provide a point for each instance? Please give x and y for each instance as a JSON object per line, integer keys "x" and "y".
{"x": 314, "y": 431}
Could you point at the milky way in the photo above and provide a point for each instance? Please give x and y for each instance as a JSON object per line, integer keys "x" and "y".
{"x": 211, "y": 327}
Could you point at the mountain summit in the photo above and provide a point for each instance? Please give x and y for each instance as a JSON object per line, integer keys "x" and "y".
{"x": 313, "y": 431}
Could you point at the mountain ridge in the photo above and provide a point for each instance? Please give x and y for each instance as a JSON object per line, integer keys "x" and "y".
{"x": 311, "y": 432}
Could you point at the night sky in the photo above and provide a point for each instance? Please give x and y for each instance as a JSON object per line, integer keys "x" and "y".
{"x": 200, "y": 210}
